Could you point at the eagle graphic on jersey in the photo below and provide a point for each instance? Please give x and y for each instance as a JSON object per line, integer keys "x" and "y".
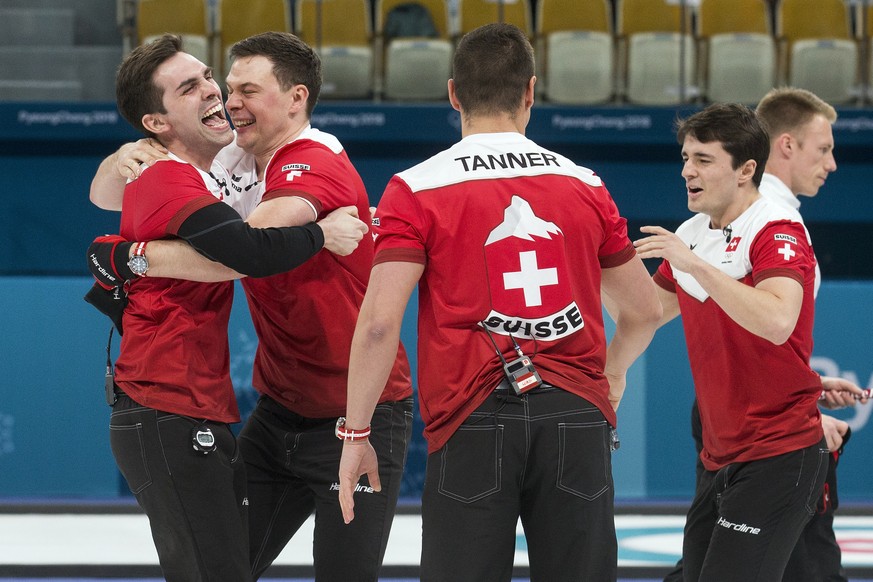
{"x": 528, "y": 278}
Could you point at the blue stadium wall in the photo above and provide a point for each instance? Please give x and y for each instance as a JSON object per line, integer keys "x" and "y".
{"x": 53, "y": 435}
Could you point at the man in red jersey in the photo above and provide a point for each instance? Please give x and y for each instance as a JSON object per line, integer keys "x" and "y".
{"x": 801, "y": 158}
{"x": 509, "y": 244}
{"x": 174, "y": 399}
{"x": 742, "y": 275}
{"x": 304, "y": 321}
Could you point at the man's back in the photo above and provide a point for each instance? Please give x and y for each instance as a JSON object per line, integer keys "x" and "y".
{"x": 514, "y": 237}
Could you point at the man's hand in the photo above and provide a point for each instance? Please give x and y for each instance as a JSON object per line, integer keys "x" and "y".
{"x": 664, "y": 244}
{"x": 359, "y": 458}
{"x": 107, "y": 261}
{"x": 839, "y": 393}
{"x": 834, "y": 431}
{"x": 342, "y": 230}
{"x": 130, "y": 157}
{"x": 617, "y": 384}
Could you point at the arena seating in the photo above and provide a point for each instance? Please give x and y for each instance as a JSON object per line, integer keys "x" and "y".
{"x": 737, "y": 48}
{"x": 658, "y": 53}
{"x": 576, "y": 50}
{"x": 415, "y": 49}
{"x": 340, "y": 32}
{"x": 820, "y": 49}
{"x": 589, "y": 52}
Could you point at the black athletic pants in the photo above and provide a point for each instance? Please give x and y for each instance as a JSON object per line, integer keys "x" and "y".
{"x": 816, "y": 556}
{"x": 292, "y": 464}
{"x": 543, "y": 457}
{"x": 195, "y": 502}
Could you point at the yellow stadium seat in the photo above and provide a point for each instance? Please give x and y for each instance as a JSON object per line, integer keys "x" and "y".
{"x": 239, "y": 19}
{"x": 658, "y": 51}
{"x": 820, "y": 49}
{"x": 339, "y": 30}
{"x": 475, "y": 13}
{"x": 187, "y": 18}
{"x": 416, "y": 64}
{"x": 740, "y": 51}
{"x": 576, "y": 49}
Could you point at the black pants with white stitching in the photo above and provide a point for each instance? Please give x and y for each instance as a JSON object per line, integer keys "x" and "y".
{"x": 747, "y": 517}
{"x": 195, "y": 502}
{"x": 543, "y": 457}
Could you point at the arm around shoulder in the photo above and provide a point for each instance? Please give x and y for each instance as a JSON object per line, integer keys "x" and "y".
{"x": 107, "y": 187}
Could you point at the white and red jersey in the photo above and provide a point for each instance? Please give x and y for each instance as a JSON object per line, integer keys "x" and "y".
{"x": 756, "y": 399}
{"x": 305, "y": 318}
{"x": 243, "y": 191}
{"x": 174, "y": 352}
{"x": 777, "y": 191}
{"x": 513, "y": 238}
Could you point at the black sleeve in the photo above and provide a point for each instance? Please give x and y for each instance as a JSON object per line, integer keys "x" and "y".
{"x": 218, "y": 233}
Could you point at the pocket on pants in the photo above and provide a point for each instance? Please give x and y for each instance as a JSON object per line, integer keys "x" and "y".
{"x": 584, "y": 465}
{"x": 470, "y": 463}
{"x": 129, "y": 451}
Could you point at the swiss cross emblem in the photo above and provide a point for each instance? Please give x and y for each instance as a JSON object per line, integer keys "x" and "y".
{"x": 787, "y": 252}
{"x": 732, "y": 246}
{"x": 294, "y": 170}
{"x": 531, "y": 296}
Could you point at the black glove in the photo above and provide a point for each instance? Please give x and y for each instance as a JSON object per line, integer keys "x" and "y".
{"x": 107, "y": 261}
{"x": 110, "y": 302}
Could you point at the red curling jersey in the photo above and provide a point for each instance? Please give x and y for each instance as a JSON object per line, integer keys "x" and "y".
{"x": 756, "y": 399}
{"x": 305, "y": 318}
{"x": 513, "y": 238}
{"x": 174, "y": 352}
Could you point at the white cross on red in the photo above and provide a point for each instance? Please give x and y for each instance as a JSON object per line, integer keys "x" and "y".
{"x": 530, "y": 278}
{"x": 787, "y": 252}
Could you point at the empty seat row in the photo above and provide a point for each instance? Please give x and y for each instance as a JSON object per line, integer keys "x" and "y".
{"x": 40, "y": 60}
{"x": 653, "y": 52}
{"x": 667, "y": 52}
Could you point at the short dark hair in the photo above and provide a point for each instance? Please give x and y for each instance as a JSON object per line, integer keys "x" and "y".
{"x": 492, "y": 67}
{"x": 294, "y": 61}
{"x": 788, "y": 109}
{"x": 739, "y": 130}
{"x": 136, "y": 93}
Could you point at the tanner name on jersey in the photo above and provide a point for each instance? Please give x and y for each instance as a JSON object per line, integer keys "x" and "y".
{"x": 505, "y": 161}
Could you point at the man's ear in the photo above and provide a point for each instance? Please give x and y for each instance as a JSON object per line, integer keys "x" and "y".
{"x": 155, "y": 123}
{"x": 299, "y": 98}
{"x": 747, "y": 171}
{"x": 453, "y": 99}
{"x": 785, "y": 144}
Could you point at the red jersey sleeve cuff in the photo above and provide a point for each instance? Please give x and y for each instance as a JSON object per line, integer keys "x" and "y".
{"x": 663, "y": 282}
{"x": 186, "y": 211}
{"x": 790, "y": 273}
{"x": 403, "y": 255}
{"x": 619, "y": 258}
{"x": 315, "y": 202}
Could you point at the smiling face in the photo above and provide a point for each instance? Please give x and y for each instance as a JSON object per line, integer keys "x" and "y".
{"x": 714, "y": 186}
{"x": 265, "y": 116}
{"x": 813, "y": 157}
{"x": 194, "y": 125}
